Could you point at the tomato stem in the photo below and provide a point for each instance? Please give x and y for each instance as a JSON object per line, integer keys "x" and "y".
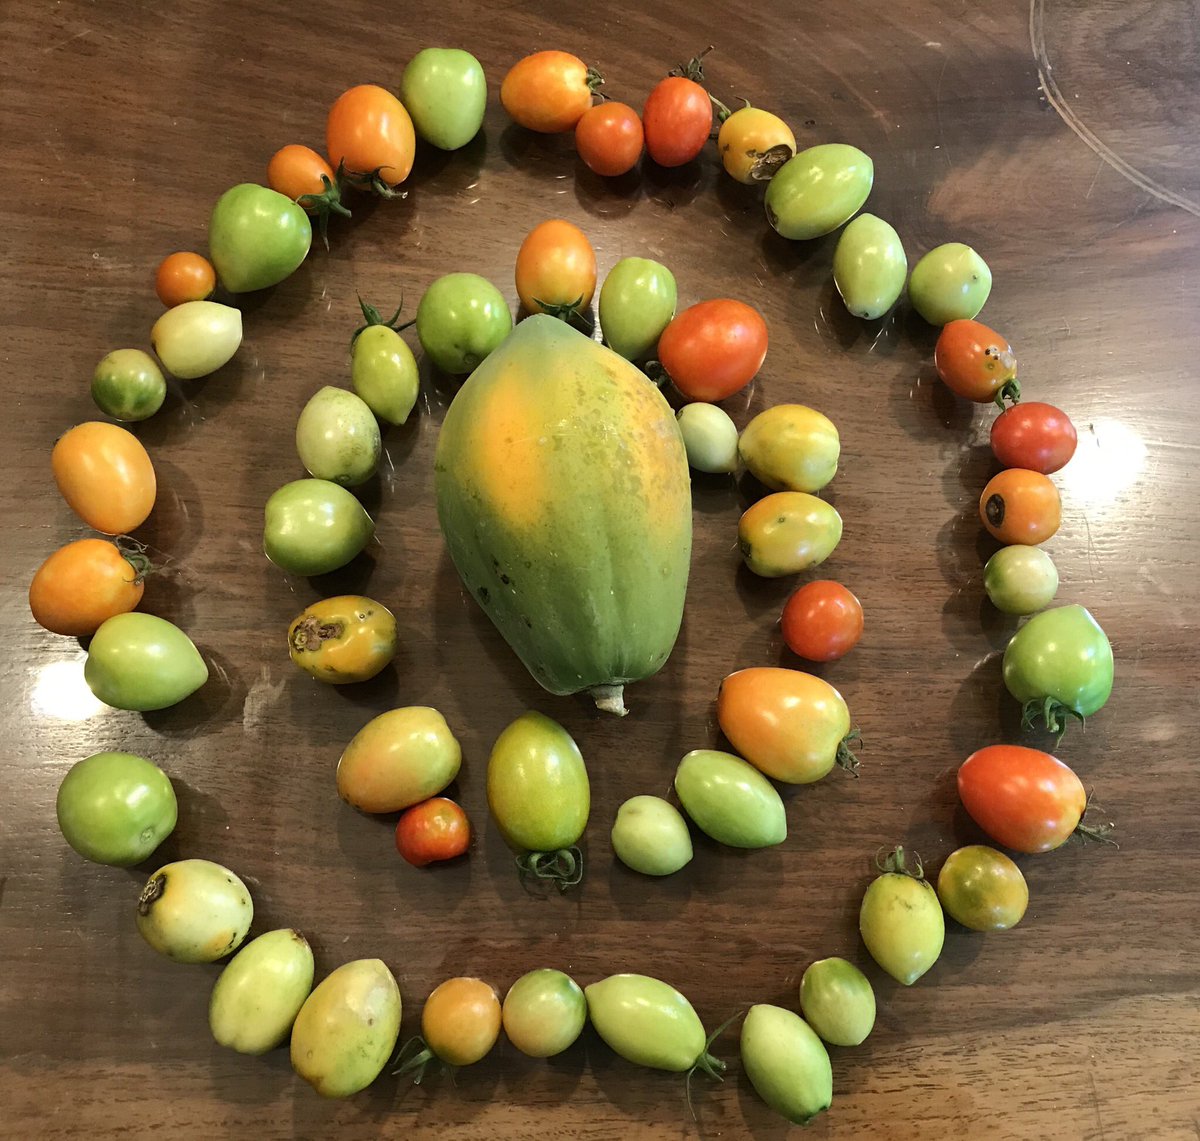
{"x": 414, "y": 1056}
{"x": 1051, "y": 711}
{"x": 372, "y": 316}
{"x": 134, "y": 553}
{"x": 846, "y": 758}
{"x": 897, "y": 862}
{"x": 563, "y": 311}
{"x": 708, "y": 1064}
{"x": 1010, "y": 390}
{"x": 564, "y": 867}
{"x": 723, "y": 112}
{"x": 1100, "y": 833}
{"x": 374, "y": 182}
{"x": 329, "y": 201}
{"x": 693, "y": 69}
{"x": 595, "y": 81}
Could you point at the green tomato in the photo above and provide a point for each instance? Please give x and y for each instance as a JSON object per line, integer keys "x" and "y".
{"x": 869, "y": 267}
{"x": 257, "y": 237}
{"x": 838, "y": 1002}
{"x": 445, "y": 92}
{"x": 462, "y": 318}
{"x": 982, "y": 888}
{"x": 196, "y": 338}
{"x": 790, "y": 447}
{"x": 730, "y": 800}
{"x": 786, "y": 1063}
{"x": 788, "y": 532}
{"x": 901, "y": 921}
{"x": 819, "y": 189}
{"x": 258, "y": 995}
{"x": 710, "y": 437}
{"x": 637, "y": 302}
{"x": 128, "y": 385}
{"x": 950, "y": 283}
{"x": 116, "y": 808}
{"x": 313, "y": 526}
{"x": 138, "y": 661}
{"x": 651, "y": 837}
{"x": 544, "y": 1012}
{"x": 337, "y": 437}
{"x": 1020, "y": 580}
{"x": 194, "y": 911}
{"x": 1059, "y": 665}
{"x": 383, "y": 371}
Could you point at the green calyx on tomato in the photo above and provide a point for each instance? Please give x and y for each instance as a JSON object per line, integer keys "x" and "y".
{"x": 329, "y": 201}
{"x": 383, "y": 370}
{"x": 901, "y": 920}
{"x": 257, "y": 237}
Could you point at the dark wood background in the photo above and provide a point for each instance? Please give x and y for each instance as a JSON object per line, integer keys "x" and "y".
{"x": 121, "y": 123}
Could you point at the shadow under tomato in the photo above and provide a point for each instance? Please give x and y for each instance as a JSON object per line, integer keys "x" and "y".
{"x": 606, "y": 197}
{"x": 209, "y": 707}
{"x": 353, "y": 578}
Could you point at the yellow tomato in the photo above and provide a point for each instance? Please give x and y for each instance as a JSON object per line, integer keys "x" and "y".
{"x": 461, "y": 1020}
{"x": 754, "y": 144}
{"x": 790, "y": 447}
{"x": 788, "y": 532}
{"x": 343, "y": 639}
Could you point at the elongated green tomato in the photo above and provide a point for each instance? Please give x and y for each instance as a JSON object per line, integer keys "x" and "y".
{"x": 651, "y": 837}
{"x": 786, "y": 1063}
{"x": 445, "y": 92}
{"x": 982, "y": 888}
{"x": 258, "y": 995}
{"x": 1020, "y": 579}
{"x": 539, "y": 795}
{"x": 790, "y": 447}
{"x": 950, "y": 283}
{"x": 138, "y": 661}
{"x": 710, "y": 438}
{"x": 194, "y": 911}
{"x": 788, "y": 532}
{"x": 347, "y": 1028}
{"x": 313, "y": 526}
{"x": 337, "y": 437}
{"x": 197, "y": 338}
{"x": 869, "y": 267}
{"x": 637, "y": 302}
{"x": 818, "y": 190}
{"x": 257, "y": 237}
{"x": 730, "y": 800}
{"x": 838, "y": 1002}
{"x": 544, "y": 1012}
{"x": 901, "y": 920}
{"x": 128, "y": 385}
{"x": 383, "y": 370}
{"x": 461, "y": 319}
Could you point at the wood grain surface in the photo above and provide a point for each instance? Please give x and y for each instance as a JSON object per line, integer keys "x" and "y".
{"x": 1059, "y": 140}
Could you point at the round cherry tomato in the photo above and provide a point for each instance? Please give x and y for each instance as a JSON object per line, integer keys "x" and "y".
{"x": 1020, "y": 580}
{"x": 299, "y": 173}
{"x": 714, "y": 348}
{"x": 461, "y": 1021}
{"x": 433, "y": 830}
{"x": 549, "y": 91}
{"x": 754, "y": 144}
{"x": 85, "y": 583}
{"x": 822, "y": 621}
{"x": 128, "y": 385}
{"x": 370, "y": 136}
{"x": 983, "y": 889}
{"x": 609, "y": 138}
{"x": 1021, "y": 507}
{"x": 1034, "y": 436}
{"x": 556, "y": 269}
{"x": 976, "y": 362}
{"x": 677, "y": 118}
{"x": 105, "y": 475}
{"x": 544, "y": 1012}
{"x": 184, "y": 277}
{"x": 341, "y": 640}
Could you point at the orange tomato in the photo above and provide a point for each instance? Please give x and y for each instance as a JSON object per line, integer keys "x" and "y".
{"x": 83, "y": 584}
{"x": 369, "y": 132}
{"x": 549, "y": 91}
{"x": 1020, "y": 506}
{"x": 714, "y": 348}
{"x": 792, "y": 726}
{"x": 184, "y": 276}
{"x": 295, "y": 171}
{"x": 105, "y": 475}
{"x": 461, "y": 1020}
{"x": 556, "y": 269}
{"x": 976, "y": 362}
{"x": 609, "y": 138}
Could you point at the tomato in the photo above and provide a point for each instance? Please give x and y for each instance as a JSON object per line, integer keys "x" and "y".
{"x": 345, "y": 639}
{"x": 786, "y": 1063}
{"x": 445, "y": 92}
{"x": 370, "y": 137}
{"x": 436, "y": 829}
{"x": 637, "y": 302}
{"x": 788, "y": 532}
{"x": 822, "y": 621}
{"x": 1020, "y": 580}
{"x": 838, "y": 1002}
{"x": 710, "y": 438}
{"x": 257, "y": 237}
{"x": 1020, "y": 506}
{"x": 651, "y": 837}
{"x": 197, "y": 338}
{"x": 105, "y": 475}
{"x": 1059, "y": 664}
{"x": 194, "y": 911}
{"x": 116, "y": 808}
{"x": 184, "y": 276}
{"x": 313, "y": 526}
{"x": 792, "y": 726}
{"x": 977, "y": 363}
{"x": 461, "y": 319}
{"x": 677, "y": 118}
{"x": 383, "y": 370}
{"x": 85, "y": 583}
{"x": 337, "y": 437}
{"x": 128, "y": 385}
{"x": 714, "y": 348}
{"x": 730, "y": 800}
{"x": 982, "y": 888}
{"x": 398, "y": 759}
{"x": 754, "y": 144}
{"x": 459, "y": 1024}
{"x": 818, "y": 190}
{"x": 299, "y": 173}
{"x": 549, "y": 91}
{"x": 789, "y": 447}
{"x": 138, "y": 661}
{"x": 901, "y": 920}
{"x": 556, "y": 269}
{"x": 1022, "y": 798}
{"x": 544, "y": 1012}
{"x": 869, "y": 267}
{"x": 1035, "y": 436}
{"x": 609, "y": 138}
{"x": 950, "y": 283}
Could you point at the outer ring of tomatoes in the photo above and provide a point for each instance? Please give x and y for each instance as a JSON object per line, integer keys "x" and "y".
{"x": 609, "y": 139}
{"x": 370, "y": 135}
{"x": 549, "y": 91}
{"x": 83, "y": 584}
{"x": 556, "y": 269}
{"x": 1035, "y": 436}
{"x": 822, "y": 621}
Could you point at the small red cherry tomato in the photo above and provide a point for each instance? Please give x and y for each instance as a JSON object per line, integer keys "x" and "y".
{"x": 714, "y": 348}
{"x": 1036, "y": 436}
{"x": 976, "y": 362}
{"x": 822, "y": 621}
{"x": 433, "y": 830}
{"x": 677, "y": 118}
{"x": 609, "y": 138}
{"x": 1020, "y": 506}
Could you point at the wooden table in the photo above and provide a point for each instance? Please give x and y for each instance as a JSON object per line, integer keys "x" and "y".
{"x": 1060, "y": 142}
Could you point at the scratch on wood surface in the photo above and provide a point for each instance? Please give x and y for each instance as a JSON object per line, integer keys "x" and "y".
{"x": 1096, "y": 1104}
{"x": 1095, "y": 178}
{"x": 63, "y": 43}
{"x": 938, "y": 109}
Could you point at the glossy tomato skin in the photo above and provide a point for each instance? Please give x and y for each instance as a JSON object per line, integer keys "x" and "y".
{"x": 445, "y": 92}
{"x": 105, "y": 475}
{"x": 461, "y": 1020}
{"x": 313, "y": 526}
{"x": 1020, "y": 507}
{"x": 1020, "y": 579}
{"x": 296, "y": 170}
{"x": 369, "y": 131}
{"x": 257, "y": 237}
{"x": 677, "y": 118}
{"x": 138, "y": 661}
{"x": 822, "y": 621}
{"x": 1023, "y": 798}
{"x": 838, "y": 1002}
{"x": 461, "y": 319}
{"x": 754, "y": 144}
{"x": 82, "y": 585}
{"x": 556, "y": 269}
{"x": 1038, "y": 437}
{"x": 787, "y": 532}
{"x": 128, "y": 385}
{"x": 714, "y": 348}
{"x": 976, "y": 362}
{"x": 434, "y": 830}
{"x": 609, "y": 138}
{"x": 982, "y": 888}
{"x": 901, "y": 922}
{"x": 548, "y": 91}
{"x": 637, "y": 302}
{"x": 184, "y": 276}
{"x": 344, "y": 639}
{"x": 544, "y": 1012}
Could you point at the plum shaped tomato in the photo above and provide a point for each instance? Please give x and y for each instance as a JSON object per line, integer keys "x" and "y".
{"x": 1034, "y": 436}
{"x": 556, "y": 269}
{"x": 345, "y": 639}
{"x": 713, "y": 348}
{"x": 549, "y": 91}
{"x": 977, "y": 363}
{"x": 370, "y": 137}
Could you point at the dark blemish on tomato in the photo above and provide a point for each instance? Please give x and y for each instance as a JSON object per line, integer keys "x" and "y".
{"x": 994, "y": 509}
{"x": 483, "y": 595}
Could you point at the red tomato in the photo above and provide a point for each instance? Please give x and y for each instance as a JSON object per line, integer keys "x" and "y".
{"x": 549, "y": 91}
{"x": 1022, "y": 798}
{"x": 83, "y": 584}
{"x": 976, "y": 362}
{"x": 556, "y": 269}
{"x": 822, "y": 621}
{"x": 714, "y": 348}
{"x": 436, "y": 829}
{"x": 1035, "y": 436}
{"x": 184, "y": 277}
{"x": 370, "y": 133}
{"x": 609, "y": 138}
{"x": 1020, "y": 506}
{"x": 678, "y": 118}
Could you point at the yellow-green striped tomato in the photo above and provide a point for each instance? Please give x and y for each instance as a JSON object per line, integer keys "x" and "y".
{"x": 838, "y": 1001}
{"x": 790, "y": 447}
{"x": 258, "y": 995}
{"x": 786, "y": 1063}
{"x": 818, "y": 190}
{"x": 544, "y": 1012}
{"x": 869, "y": 267}
{"x": 128, "y": 385}
{"x": 710, "y": 438}
{"x": 950, "y": 283}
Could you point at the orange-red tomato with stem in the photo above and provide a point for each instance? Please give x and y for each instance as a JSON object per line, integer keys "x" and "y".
{"x": 556, "y": 269}
{"x": 184, "y": 276}
{"x": 714, "y": 348}
{"x": 1035, "y": 436}
{"x": 436, "y": 829}
{"x": 296, "y": 171}
{"x": 549, "y": 91}
{"x": 609, "y": 138}
{"x": 1020, "y": 506}
{"x": 105, "y": 475}
{"x": 84, "y": 584}
{"x": 678, "y": 119}
{"x": 976, "y": 362}
{"x": 370, "y": 135}
{"x": 822, "y": 621}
